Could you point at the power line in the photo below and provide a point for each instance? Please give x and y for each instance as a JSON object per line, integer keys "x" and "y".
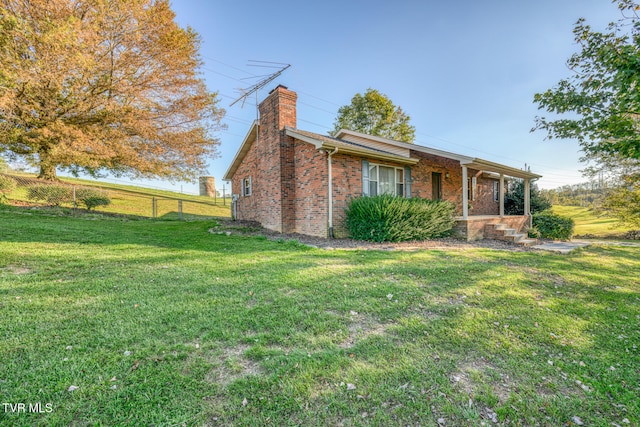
{"x": 268, "y": 64}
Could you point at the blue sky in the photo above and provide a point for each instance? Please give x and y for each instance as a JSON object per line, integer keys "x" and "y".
{"x": 466, "y": 71}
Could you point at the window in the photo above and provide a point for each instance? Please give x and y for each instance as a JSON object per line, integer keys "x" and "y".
{"x": 386, "y": 180}
{"x": 246, "y": 186}
{"x": 496, "y": 191}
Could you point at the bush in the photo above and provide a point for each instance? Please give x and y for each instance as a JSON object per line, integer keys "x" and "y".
{"x": 552, "y": 226}
{"x": 394, "y": 219}
{"x": 7, "y": 184}
{"x": 52, "y": 194}
{"x": 92, "y": 198}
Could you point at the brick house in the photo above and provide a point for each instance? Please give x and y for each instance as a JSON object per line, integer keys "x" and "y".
{"x": 294, "y": 181}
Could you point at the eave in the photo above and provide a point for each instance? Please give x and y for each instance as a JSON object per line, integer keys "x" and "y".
{"x": 248, "y": 141}
{"x": 347, "y": 148}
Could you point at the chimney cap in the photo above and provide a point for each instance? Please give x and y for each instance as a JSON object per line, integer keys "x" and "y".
{"x": 278, "y": 87}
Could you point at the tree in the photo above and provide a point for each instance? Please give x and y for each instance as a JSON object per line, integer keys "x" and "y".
{"x": 622, "y": 200}
{"x": 97, "y": 85}
{"x": 374, "y": 114}
{"x": 603, "y": 92}
{"x": 514, "y": 199}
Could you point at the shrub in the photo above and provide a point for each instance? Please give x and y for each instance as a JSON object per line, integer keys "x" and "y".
{"x": 393, "y": 219}
{"x": 514, "y": 199}
{"x": 552, "y": 226}
{"x": 533, "y": 233}
{"x": 52, "y": 194}
{"x": 7, "y": 184}
{"x": 92, "y": 198}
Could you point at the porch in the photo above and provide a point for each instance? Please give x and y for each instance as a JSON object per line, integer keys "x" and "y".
{"x": 475, "y": 227}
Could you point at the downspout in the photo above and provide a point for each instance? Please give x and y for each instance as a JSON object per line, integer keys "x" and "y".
{"x": 330, "y": 185}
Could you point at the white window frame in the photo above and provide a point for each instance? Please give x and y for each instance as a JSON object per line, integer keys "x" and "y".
{"x": 246, "y": 186}
{"x": 374, "y": 178}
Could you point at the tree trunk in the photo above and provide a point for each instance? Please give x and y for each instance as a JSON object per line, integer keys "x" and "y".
{"x": 47, "y": 169}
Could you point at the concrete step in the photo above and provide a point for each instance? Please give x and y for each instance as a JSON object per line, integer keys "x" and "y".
{"x": 509, "y": 231}
{"x": 511, "y": 235}
{"x": 528, "y": 242}
{"x": 514, "y": 237}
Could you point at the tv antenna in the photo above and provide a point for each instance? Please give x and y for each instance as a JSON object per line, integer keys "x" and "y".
{"x": 262, "y": 83}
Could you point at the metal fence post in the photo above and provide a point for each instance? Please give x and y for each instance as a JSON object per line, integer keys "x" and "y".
{"x": 75, "y": 204}
{"x": 153, "y": 207}
{"x": 180, "y": 210}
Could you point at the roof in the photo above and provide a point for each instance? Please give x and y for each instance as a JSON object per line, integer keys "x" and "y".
{"x": 328, "y": 143}
{"x": 470, "y": 162}
{"x": 247, "y": 142}
{"x": 375, "y": 147}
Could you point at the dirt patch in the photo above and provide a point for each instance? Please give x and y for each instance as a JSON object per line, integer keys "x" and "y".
{"x": 363, "y": 327}
{"x": 231, "y": 365}
{"x": 254, "y": 228}
{"x": 475, "y": 373}
{"x": 15, "y": 269}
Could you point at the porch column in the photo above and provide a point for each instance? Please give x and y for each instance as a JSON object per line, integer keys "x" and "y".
{"x": 465, "y": 196}
{"x": 501, "y": 196}
{"x": 527, "y": 197}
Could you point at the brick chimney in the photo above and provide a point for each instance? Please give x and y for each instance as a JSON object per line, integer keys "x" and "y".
{"x": 276, "y": 168}
{"x": 278, "y": 109}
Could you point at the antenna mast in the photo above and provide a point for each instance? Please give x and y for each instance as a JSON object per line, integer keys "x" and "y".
{"x": 262, "y": 83}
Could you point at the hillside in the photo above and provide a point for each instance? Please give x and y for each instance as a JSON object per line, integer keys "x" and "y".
{"x": 588, "y": 222}
{"x": 133, "y": 200}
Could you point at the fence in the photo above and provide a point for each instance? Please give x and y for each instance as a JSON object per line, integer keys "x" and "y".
{"x": 25, "y": 190}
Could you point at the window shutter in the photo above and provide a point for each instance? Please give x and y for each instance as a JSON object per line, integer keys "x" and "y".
{"x": 250, "y": 187}
{"x": 407, "y": 185}
{"x": 365, "y": 177}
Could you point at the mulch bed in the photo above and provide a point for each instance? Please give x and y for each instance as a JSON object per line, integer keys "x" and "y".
{"x": 254, "y": 228}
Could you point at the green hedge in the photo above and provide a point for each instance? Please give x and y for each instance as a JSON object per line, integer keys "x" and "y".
{"x": 92, "y": 198}
{"x": 395, "y": 219}
{"x": 52, "y": 194}
{"x": 552, "y": 226}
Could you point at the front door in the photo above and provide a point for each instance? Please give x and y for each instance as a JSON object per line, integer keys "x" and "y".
{"x": 436, "y": 186}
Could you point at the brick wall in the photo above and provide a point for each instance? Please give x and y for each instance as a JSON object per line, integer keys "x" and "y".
{"x": 347, "y": 184}
{"x": 421, "y": 174}
{"x": 311, "y": 178}
{"x": 484, "y": 203}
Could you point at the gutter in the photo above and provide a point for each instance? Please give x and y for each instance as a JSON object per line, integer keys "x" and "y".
{"x": 330, "y": 188}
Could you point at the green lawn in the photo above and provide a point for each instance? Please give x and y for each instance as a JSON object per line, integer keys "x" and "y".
{"x": 165, "y": 324}
{"x": 590, "y": 223}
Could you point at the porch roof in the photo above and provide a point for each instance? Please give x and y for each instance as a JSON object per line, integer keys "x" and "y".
{"x": 470, "y": 162}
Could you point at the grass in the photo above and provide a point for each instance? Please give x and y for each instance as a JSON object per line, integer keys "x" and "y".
{"x": 164, "y": 323}
{"x": 590, "y": 223}
{"x": 137, "y": 201}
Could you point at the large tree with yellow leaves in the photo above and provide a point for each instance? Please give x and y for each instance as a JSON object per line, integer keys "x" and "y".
{"x": 103, "y": 85}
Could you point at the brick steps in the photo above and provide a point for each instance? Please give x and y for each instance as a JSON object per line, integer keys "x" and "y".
{"x": 506, "y": 234}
